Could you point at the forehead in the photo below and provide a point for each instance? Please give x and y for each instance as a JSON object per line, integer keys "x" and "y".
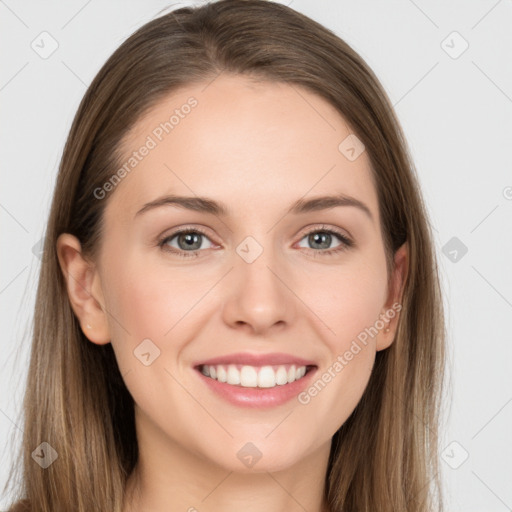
{"x": 244, "y": 143}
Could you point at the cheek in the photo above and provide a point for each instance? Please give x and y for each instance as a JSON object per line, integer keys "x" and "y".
{"x": 148, "y": 302}
{"x": 350, "y": 301}
{"x": 350, "y": 307}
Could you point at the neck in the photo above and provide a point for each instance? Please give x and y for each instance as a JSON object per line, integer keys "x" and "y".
{"x": 169, "y": 477}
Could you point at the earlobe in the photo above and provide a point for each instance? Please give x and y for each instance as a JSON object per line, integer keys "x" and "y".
{"x": 82, "y": 280}
{"x": 393, "y": 305}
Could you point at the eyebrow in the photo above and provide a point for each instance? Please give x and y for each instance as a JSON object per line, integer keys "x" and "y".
{"x": 207, "y": 205}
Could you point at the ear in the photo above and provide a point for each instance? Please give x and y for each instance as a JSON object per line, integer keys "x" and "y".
{"x": 393, "y": 305}
{"x": 84, "y": 290}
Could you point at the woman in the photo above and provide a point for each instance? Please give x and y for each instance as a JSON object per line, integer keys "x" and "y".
{"x": 194, "y": 348}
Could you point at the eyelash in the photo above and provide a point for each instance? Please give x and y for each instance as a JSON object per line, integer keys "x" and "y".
{"x": 346, "y": 243}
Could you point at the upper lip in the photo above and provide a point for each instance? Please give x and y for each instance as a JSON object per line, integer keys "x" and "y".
{"x": 256, "y": 360}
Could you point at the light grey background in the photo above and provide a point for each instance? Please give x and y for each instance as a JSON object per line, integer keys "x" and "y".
{"x": 456, "y": 111}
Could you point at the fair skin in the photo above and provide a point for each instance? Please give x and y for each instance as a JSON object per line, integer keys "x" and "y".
{"x": 255, "y": 148}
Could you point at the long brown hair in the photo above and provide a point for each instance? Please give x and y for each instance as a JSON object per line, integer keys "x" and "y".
{"x": 385, "y": 456}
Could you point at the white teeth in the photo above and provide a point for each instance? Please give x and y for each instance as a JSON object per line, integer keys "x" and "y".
{"x": 281, "y": 376}
{"x": 254, "y": 376}
{"x": 266, "y": 377}
{"x": 248, "y": 377}
{"x": 222, "y": 375}
{"x": 233, "y": 375}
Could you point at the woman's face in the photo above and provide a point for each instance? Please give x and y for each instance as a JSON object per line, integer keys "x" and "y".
{"x": 265, "y": 272}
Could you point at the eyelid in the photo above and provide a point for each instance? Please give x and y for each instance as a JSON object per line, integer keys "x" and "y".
{"x": 305, "y": 231}
{"x": 321, "y": 226}
{"x": 342, "y": 233}
{"x": 186, "y": 229}
{"x": 346, "y": 240}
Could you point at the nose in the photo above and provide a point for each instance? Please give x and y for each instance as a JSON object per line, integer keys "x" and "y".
{"x": 258, "y": 296}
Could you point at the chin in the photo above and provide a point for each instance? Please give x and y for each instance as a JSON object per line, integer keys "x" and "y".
{"x": 258, "y": 456}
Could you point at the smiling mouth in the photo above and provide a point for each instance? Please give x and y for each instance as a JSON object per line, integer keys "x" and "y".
{"x": 246, "y": 376}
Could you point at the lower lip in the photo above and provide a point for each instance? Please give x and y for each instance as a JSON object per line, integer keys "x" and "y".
{"x": 258, "y": 397}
